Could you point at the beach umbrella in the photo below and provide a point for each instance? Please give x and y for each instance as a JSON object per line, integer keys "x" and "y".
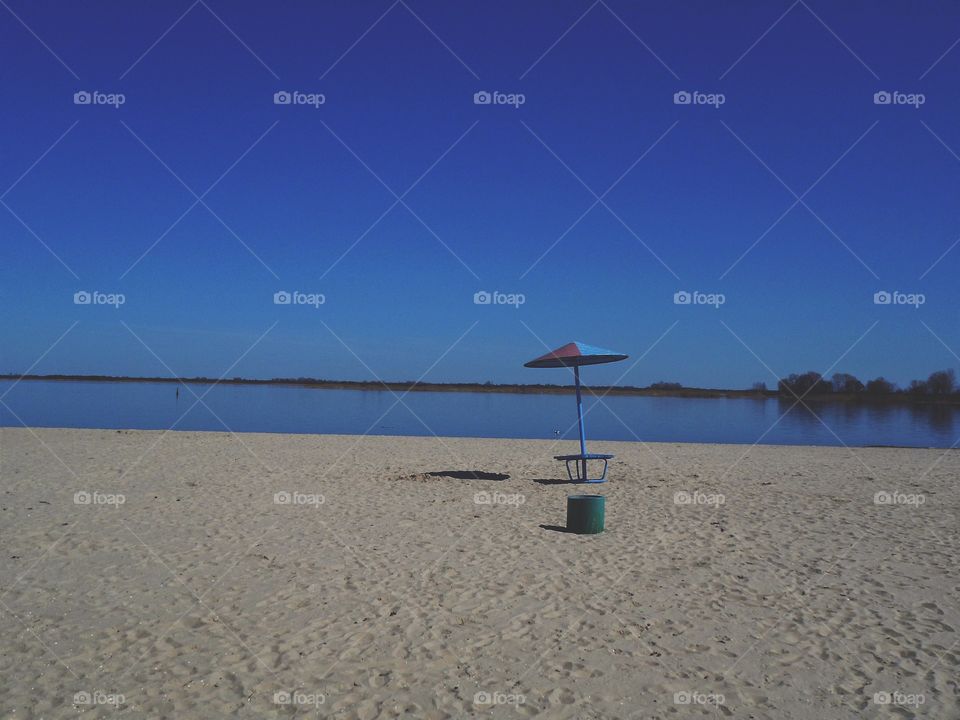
{"x": 574, "y": 355}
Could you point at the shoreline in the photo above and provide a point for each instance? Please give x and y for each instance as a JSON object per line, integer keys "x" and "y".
{"x": 898, "y": 398}
{"x": 478, "y": 438}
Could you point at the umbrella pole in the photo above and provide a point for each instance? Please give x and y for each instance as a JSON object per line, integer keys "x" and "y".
{"x": 583, "y": 437}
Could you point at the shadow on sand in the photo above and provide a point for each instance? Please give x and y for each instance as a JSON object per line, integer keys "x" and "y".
{"x": 555, "y": 481}
{"x": 555, "y": 528}
{"x": 469, "y": 475}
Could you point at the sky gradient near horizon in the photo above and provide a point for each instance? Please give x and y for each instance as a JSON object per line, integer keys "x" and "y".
{"x": 399, "y": 198}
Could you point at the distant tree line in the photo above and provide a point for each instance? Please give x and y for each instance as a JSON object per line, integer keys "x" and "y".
{"x": 666, "y": 386}
{"x": 939, "y": 384}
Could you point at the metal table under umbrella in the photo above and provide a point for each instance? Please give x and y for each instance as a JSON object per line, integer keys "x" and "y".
{"x": 574, "y": 355}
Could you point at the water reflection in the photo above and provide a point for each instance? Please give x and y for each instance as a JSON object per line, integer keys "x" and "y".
{"x": 883, "y": 423}
{"x": 152, "y": 406}
{"x": 940, "y": 417}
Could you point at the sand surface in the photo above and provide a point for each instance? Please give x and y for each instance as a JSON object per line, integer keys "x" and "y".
{"x": 201, "y": 596}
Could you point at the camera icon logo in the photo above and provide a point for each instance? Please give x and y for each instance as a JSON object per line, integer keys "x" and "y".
{"x": 883, "y": 498}
{"x": 682, "y": 297}
{"x": 82, "y": 97}
{"x": 81, "y": 498}
{"x": 82, "y": 297}
{"x": 282, "y": 498}
{"x": 82, "y": 698}
{"x": 282, "y": 697}
{"x": 482, "y": 498}
{"x": 482, "y": 98}
{"x": 682, "y": 98}
{"x": 882, "y": 297}
{"x": 482, "y": 297}
{"x": 282, "y": 97}
{"x": 282, "y": 297}
{"x": 882, "y": 698}
{"x": 482, "y": 698}
{"x": 882, "y": 98}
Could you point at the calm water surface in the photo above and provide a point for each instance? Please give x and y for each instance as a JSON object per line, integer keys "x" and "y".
{"x": 154, "y": 406}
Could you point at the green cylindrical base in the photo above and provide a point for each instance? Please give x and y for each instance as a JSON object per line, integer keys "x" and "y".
{"x": 585, "y": 514}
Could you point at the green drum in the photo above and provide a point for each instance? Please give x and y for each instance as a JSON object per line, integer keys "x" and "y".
{"x": 585, "y": 514}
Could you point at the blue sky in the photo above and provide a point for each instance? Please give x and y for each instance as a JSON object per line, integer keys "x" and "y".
{"x": 503, "y": 198}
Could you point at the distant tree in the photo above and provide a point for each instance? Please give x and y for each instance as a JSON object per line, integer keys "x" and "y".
{"x": 808, "y": 383}
{"x": 918, "y": 387}
{"x": 788, "y": 385}
{"x": 942, "y": 382}
{"x": 759, "y": 387}
{"x": 846, "y": 383}
{"x": 666, "y": 386}
{"x": 880, "y": 386}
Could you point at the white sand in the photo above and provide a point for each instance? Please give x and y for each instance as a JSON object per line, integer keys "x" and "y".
{"x": 399, "y": 596}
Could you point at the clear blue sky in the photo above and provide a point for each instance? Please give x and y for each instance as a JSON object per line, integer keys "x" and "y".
{"x": 293, "y": 204}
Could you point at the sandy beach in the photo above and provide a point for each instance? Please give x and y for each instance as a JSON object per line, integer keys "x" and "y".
{"x": 188, "y": 575}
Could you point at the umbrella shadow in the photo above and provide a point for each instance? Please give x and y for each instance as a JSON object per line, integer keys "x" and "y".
{"x": 469, "y": 475}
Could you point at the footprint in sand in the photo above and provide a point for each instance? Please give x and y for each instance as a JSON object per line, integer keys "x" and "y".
{"x": 379, "y": 679}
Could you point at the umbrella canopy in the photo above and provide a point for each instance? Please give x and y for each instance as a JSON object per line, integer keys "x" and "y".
{"x": 575, "y": 354}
